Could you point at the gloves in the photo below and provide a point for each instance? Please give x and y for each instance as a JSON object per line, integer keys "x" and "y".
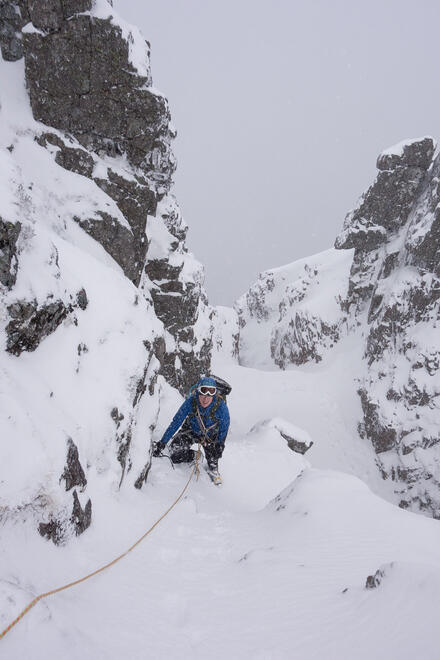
{"x": 158, "y": 448}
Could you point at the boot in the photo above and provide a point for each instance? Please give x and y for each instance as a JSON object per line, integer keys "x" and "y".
{"x": 213, "y": 472}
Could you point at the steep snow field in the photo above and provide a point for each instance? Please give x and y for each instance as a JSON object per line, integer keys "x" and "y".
{"x": 320, "y": 399}
{"x": 271, "y": 566}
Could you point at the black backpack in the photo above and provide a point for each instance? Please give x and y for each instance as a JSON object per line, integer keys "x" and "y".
{"x": 223, "y": 388}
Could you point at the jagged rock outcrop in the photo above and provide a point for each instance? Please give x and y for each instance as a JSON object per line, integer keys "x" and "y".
{"x": 73, "y": 474}
{"x": 58, "y": 529}
{"x": 99, "y": 298}
{"x": 400, "y": 393}
{"x": 82, "y": 81}
{"x": 80, "y": 518}
{"x": 283, "y": 317}
{"x": 297, "y": 439}
{"x": 382, "y": 211}
{"x": 178, "y": 297}
{"x": 9, "y": 234}
{"x": 385, "y": 290}
{"x": 91, "y": 80}
{"x": 31, "y": 323}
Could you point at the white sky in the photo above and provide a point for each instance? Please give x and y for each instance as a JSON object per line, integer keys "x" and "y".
{"x": 282, "y": 107}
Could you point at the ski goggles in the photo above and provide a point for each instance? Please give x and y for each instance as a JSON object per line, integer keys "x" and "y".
{"x": 206, "y": 390}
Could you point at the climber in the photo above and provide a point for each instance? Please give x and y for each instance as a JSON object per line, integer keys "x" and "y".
{"x": 203, "y": 418}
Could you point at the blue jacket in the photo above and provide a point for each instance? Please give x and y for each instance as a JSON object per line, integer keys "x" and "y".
{"x": 217, "y": 423}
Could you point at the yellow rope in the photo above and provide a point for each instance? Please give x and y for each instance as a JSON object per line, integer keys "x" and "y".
{"x": 195, "y": 471}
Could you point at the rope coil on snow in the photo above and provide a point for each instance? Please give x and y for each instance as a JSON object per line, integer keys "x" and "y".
{"x": 195, "y": 471}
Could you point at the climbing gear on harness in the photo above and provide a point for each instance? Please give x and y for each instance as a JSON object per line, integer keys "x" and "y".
{"x": 197, "y": 459}
{"x": 222, "y": 389}
{"x": 205, "y": 430}
{"x": 195, "y": 471}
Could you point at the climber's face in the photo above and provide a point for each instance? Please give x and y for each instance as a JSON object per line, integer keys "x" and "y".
{"x": 205, "y": 400}
{"x": 206, "y": 395}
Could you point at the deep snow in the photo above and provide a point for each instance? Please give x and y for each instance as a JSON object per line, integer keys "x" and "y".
{"x": 270, "y": 566}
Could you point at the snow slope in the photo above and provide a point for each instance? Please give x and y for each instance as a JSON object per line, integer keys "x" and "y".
{"x": 318, "y": 398}
{"x": 271, "y": 566}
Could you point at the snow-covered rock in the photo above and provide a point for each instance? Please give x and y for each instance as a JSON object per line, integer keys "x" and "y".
{"x": 298, "y": 440}
{"x": 386, "y": 294}
{"x": 394, "y": 290}
{"x": 292, "y": 314}
{"x": 102, "y": 312}
{"x": 226, "y": 332}
{"x": 99, "y": 297}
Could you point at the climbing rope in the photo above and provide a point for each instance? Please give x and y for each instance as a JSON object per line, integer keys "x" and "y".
{"x": 195, "y": 471}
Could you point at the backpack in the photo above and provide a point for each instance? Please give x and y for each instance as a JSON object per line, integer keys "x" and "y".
{"x": 223, "y": 388}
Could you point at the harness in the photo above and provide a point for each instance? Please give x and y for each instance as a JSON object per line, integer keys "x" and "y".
{"x": 196, "y": 413}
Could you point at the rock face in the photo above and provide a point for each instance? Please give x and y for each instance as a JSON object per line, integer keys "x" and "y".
{"x": 73, "y": 474}
{"x": 100, "y": 301}
{"x": 89, "y": 76}
{"x": 30, "y": 323}
{"x": 178, "y": 297}
{"x": 382, "y": 212}
{"x": 400, "y": 393}
{"x": 82, "y": 81}
{"x": 385, "y": 291}
{"x": 9, "y": 233}
{"x": 10, "y": 26}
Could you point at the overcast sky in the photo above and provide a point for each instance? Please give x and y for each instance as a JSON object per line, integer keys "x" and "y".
{"x": 281, "y": 108}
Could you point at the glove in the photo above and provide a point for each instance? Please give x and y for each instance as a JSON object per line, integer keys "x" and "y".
{"x": 158, "y": 448}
